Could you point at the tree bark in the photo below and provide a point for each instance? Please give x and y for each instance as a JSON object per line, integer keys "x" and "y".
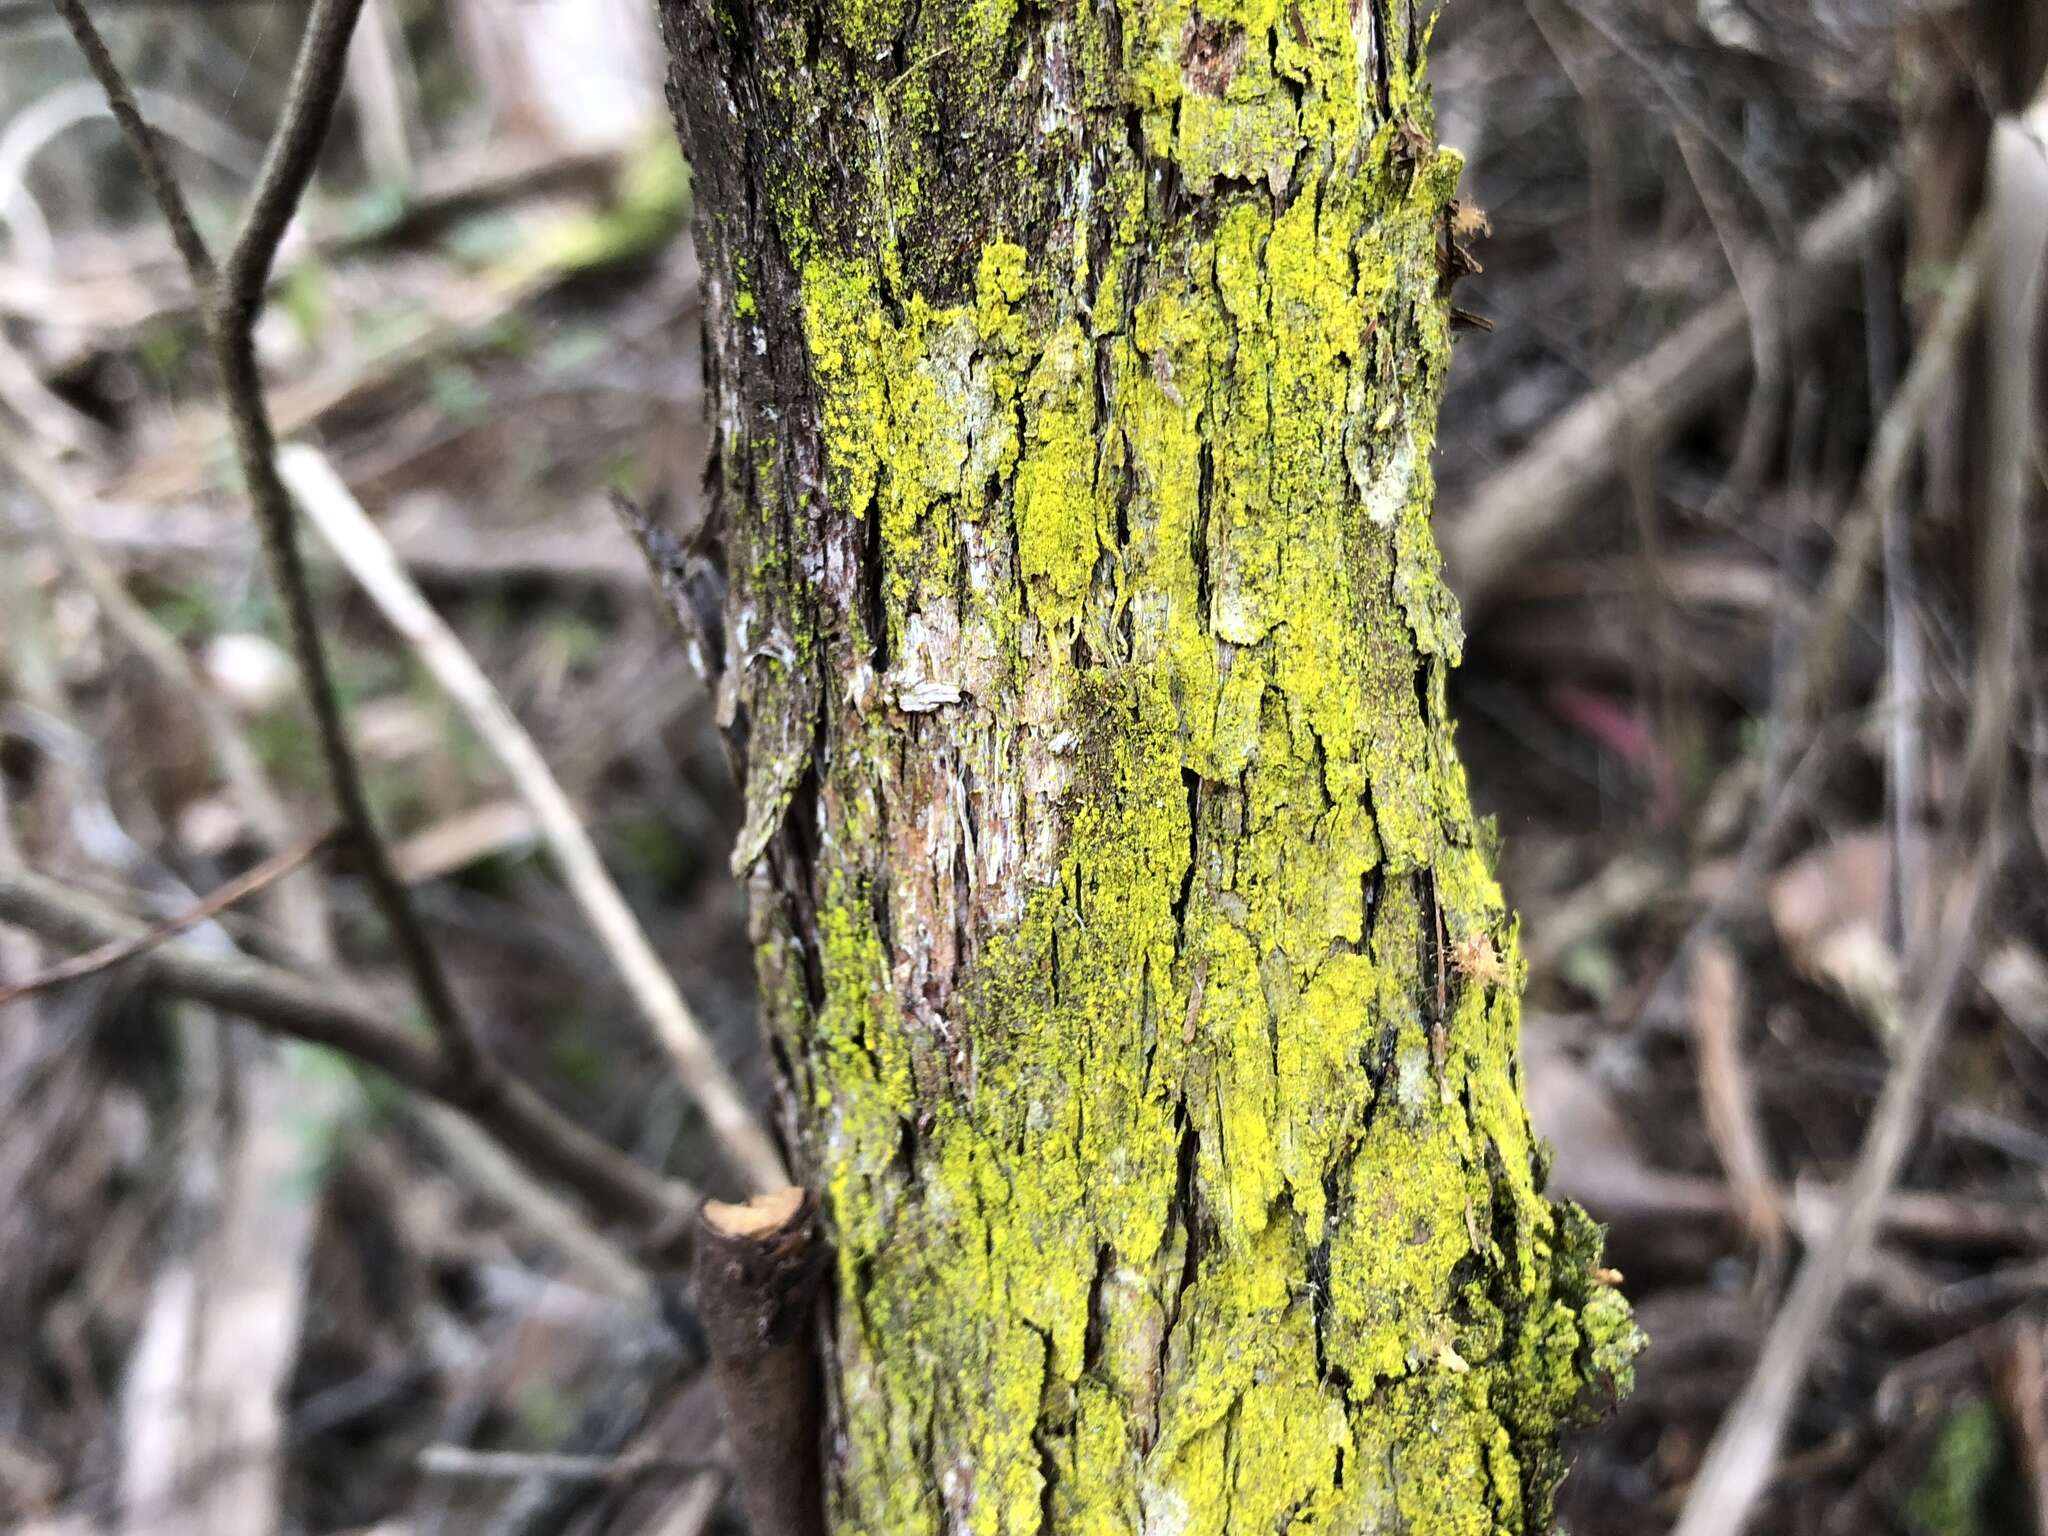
{"x": 1147, "y": 1002}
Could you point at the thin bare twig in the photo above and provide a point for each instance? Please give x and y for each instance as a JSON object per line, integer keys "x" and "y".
{"x": 1654, "y": 1202}
{"x": 1905, "y": 665}
{"x": 2023, "y": 1383}
{"x": 298, "y": 910}
{"x": 692, "y": 1510}
{"x": 163, "y": 186}
{"x": 304, "y": 1008}
{"x": 1769, "y": 364}
{"x": 474, "y": 1156}
{"x": 536, "y": 1207}
{"x": 105, "y": 956}
{"x": 1745, "y": 1448}
{"x": 230, "y": 301}
{"x": 30, "y": 130}
{"x": 1788, "y": 785}
{"x": 1898, "y": 433}
{"x": 1728, "y": 1100}
{"x": 461, "y": 1461}
{"x": 314, "y": 87}
{"x": 19, "y": 953}
{"x": 1818, "y": 654}
{"x": 2016, "y": 218}
{"x": 368, "y": 557}
{"x": 377, "y": 89}
{"x": 1528, "y": 499}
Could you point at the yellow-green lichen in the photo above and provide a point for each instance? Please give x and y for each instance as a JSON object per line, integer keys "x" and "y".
{"x": 1180, "y": 1181}
{"x": 1056, "y": 507}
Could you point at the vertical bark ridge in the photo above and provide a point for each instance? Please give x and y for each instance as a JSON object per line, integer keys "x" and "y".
{"x": 1150, "y": 1004}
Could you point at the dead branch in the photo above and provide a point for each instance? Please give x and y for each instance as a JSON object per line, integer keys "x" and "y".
{"x": 232, "y": 299}
{"x": 1891, "y": 455}
{"x": 461, "y": 1461}
{"x": 756, "y": 1274}
{"x": 304, "y": 1008}
{"x": 355, "y": 540}
{"x": 301, "y": 913}
{"x": 108, "y": 955}
{"x": 298, "y": 909}
{"x": 156, "y": 171}
{"x": 2017, "y": 220}
{"x": 1528, "y": 500}
{"x": 1745, "y": 1448}
{"x": 1728, "y": 1098}
{"x": 2023, "y": 1383}
{"x": 534, "y": 1205}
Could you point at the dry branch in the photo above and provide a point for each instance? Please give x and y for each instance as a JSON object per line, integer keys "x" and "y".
{"x": 1528, "y": 500}
{"x": 2016, "y": 217}
{"x": 1745, "y": 1448}
{"x": 355, "y": 540}
{"x": 106, "y": 956}
{"x": 756, "y": 1275}
{"x": 461, "y": 1461}
{"x": 231, "y": 299}
{"x": 1891, "y": 455}
{"x": 1728, "y": 1098}
{"x": 2023, "y": 1383}
{"x": 323, "y": 1013}
{"x": 296, "y": 904}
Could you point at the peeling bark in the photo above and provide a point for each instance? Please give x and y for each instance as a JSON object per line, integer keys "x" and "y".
{"x": 1147, "y": 1001}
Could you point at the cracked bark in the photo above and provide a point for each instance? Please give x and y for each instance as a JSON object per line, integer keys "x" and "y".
{"x": 1074, "y": 377}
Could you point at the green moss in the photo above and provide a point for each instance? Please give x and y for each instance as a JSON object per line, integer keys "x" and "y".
{"x": 1957, "y": 1494}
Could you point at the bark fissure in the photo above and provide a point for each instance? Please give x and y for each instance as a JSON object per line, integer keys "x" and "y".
{"x": 1184, "y": 1219}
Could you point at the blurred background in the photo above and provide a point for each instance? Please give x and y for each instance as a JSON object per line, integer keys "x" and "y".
{"x": 1739, "y": 483}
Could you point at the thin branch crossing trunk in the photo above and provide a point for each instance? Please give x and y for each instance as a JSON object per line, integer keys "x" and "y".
{"x": 1147, "y": 1001}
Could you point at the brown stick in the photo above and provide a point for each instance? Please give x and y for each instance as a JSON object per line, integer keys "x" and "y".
{"x": 1745, "y": 1448}
{"x": 1728, "y": 1099}
{"x": 462, "y": 1461}
{"x": 2023, "y": 1384}
{"x": 1891, "y": 456}
{"x": 333, "y": 510}
{"x": 230, "y": 299}
{"x": 756, "y": 1274}
{"x": 327, "y": 1013}
{"x": 108, "y": 955}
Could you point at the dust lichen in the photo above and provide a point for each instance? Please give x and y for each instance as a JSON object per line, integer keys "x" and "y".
{"x": 1180, "y": 1182}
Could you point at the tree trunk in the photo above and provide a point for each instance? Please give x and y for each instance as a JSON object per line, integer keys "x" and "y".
{"x": 1136, "y": 965}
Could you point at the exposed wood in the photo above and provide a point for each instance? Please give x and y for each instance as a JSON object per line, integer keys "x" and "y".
{"x": 756, "y": 1275}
